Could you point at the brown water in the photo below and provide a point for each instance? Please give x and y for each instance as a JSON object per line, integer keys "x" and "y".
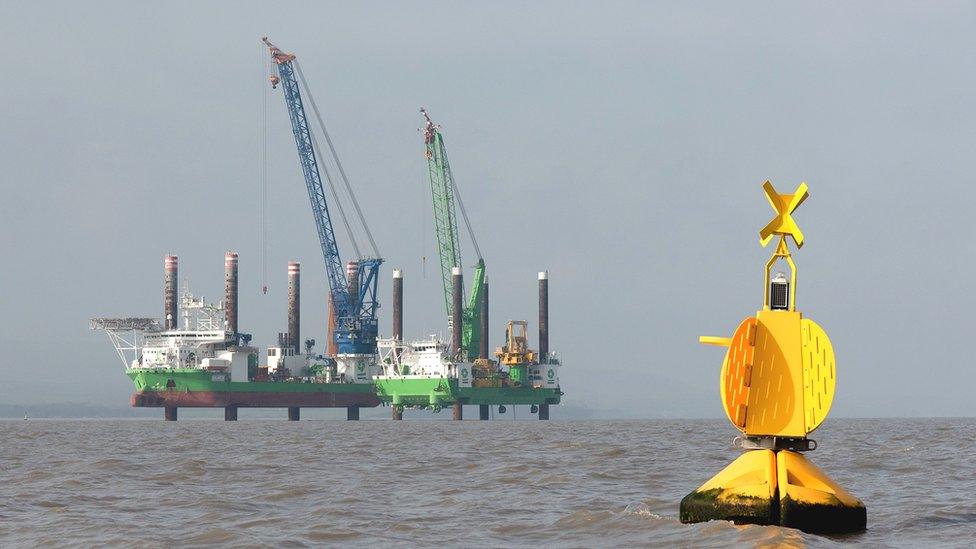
{"x": 412, "y": 483}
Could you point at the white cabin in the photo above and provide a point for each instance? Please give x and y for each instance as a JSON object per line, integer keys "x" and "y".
{"x": 426, "y": 358}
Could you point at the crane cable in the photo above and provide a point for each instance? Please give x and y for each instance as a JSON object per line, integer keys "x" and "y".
{"x": 335, "y": 157}
{"x": 457, "y": 195}
{"x": 265, "y": 70}
{"x": 467, "y": 222}
{"x": 335, "y": 195}
{"x": 328, "y": 177}
{"x": 423, "y": 225}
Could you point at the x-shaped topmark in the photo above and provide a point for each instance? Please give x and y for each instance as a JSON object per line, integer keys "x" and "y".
{"x": 784, "y": 205}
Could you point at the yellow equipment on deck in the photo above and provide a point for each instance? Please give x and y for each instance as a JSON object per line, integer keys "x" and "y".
{"x": 516, "y": 350}
{"x": 777, "y": 385}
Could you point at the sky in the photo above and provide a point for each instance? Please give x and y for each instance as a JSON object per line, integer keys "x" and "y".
{"x": 621, "y": 146}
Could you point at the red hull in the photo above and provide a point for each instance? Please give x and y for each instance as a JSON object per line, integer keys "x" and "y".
{"x": 222, "y": 399}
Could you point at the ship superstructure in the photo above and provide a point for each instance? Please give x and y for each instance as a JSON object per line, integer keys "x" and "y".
{"x": 427, "y": 374}
{"x": 431, "y": 359}
{"x": 420, "y": 374}
{"x": 423, "y": 358}
{"x": 206, "y": 362}
{"x": 202, "y": 342}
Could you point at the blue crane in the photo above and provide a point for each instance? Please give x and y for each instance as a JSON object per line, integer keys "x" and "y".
{"x": 353, "y": 298}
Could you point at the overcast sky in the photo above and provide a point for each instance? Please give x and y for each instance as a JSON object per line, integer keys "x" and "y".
{"x": 622, "y": 146}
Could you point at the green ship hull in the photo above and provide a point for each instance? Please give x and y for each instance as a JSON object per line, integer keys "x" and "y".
{"x": 439, "y": 392}
{"x": 191, "y": 387}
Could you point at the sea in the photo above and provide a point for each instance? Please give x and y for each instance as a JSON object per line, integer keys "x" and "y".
{"x": 423, "y": 483}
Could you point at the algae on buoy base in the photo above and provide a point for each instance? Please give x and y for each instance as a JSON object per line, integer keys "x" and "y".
{"x": 744, "y": 492}
{"x": 776, "y": 488}
{"x": 810, "y": 501}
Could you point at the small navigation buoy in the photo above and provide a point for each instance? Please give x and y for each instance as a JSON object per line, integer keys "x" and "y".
{"x": 777, "y": 385}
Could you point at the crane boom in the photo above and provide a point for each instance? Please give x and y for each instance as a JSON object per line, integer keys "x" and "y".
{"x": 445, "y": 196}
{"x": 355, "y": 311}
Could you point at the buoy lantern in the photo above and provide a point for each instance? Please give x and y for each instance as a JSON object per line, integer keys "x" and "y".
{"x": 777, "y": 385}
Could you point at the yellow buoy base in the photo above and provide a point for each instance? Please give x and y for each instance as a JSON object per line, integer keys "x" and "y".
{"x": 744, "y": 492}
{"x": 776, "y": 488}
{"x": 810, "y": 501}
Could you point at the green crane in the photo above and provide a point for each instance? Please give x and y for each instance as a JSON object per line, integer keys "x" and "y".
{"x": 445, "y": 194}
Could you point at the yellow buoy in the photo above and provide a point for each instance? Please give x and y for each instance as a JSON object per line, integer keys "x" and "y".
{"x": 777, "y": 385}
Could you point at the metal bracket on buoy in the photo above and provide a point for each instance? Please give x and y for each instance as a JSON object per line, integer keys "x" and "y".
{"x": 774, "y": 443}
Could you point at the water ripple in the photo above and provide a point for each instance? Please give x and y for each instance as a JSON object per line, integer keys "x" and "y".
{"x": 473, "y": 484}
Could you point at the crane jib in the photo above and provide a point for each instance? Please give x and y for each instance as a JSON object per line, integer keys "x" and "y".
{"x": 445, "y": 196}
{"x": 445, "y": 219}
{"x": 356, "y": 326}
{"x": 316, "y": 194}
